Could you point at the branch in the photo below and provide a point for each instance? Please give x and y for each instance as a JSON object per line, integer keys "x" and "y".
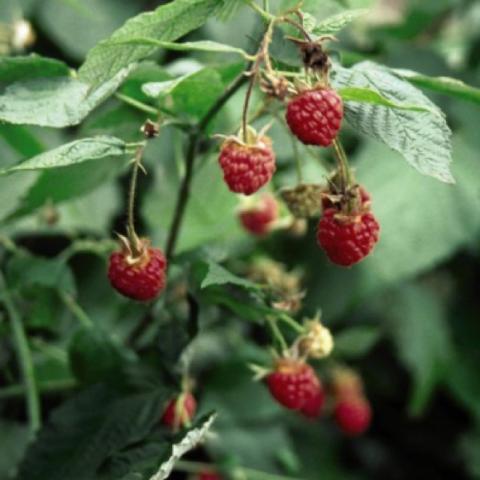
{"x": 195, "y": 137}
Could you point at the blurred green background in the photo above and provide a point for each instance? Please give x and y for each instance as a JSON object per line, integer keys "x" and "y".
{"x": 407, "y": 318}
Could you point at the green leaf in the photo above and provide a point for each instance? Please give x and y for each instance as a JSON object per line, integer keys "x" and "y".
{"x": 215, "y": 274}
{"x": 166, "y": 87}
{"x": 21, "y": 140}
{"x": 14, "y": 438}
{"x": 192, "y": 94}
{"x": 192, "y": 438}
{"x": 54, "y": 102}
{"x": 83, "y": 432}
{"x": 70, "y": 182}
{"x": 174, "y": 335}
{"x": 423, "y": 138}
{"x": 94, "y": 356}
{"x": 356, "y": 342}
{"x": 367, "y": 95}
{"x": 27, "y": 270}
{"x": 449, "y": 86}
{"x": 199, "y": 46}
{"x": 13, "y": 69}
{"x": 79, "y": 151}
{"x": 166, "y": 23}
{"x": 335, "y": 23}
{"x": 420, "y": 332}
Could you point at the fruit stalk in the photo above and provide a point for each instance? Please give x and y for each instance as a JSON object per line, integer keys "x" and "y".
{"x": 345, "y": 173}
{"x": 132, "y": 235}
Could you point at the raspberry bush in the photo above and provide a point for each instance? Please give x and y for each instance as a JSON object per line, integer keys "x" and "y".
{"x": 233, "y": 241}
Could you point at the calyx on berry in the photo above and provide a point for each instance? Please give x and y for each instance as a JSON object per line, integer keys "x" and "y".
{"x": 248, "y": 162}
{"x": 348, "y": 230}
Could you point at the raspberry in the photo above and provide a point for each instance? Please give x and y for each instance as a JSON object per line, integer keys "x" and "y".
{"x": 353, "y": 415}
{"x": 208, "y": 475}
{"x": 304, "y": 200}
{"x": 347, "y": 238}
{"x": 314, "y": 405}
{"x": 140, "y": 278}
{"x": 247, "y": 167}
{"x": 180, "y": 411}
{"x": 259, "y": 218}
{"x": 315, "y": 116}
{"x": 295, "y": 385}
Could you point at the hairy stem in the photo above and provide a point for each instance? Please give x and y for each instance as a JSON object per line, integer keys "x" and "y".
{"x": 343, "y": 167}
{"x": 132, "y": 234}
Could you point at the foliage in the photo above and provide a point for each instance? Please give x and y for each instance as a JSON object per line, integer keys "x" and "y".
{"x": 96, "y": 370}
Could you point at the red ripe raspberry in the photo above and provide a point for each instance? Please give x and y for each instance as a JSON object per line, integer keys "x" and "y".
{"x": 247, "y": 167}
{"x": 180, "y": 411}
{"x": 314, "y": 405}
{"x": 315, "y": 116}
{"x": 209, "y": 475}
{"x": 353, "y": 415}
{"x": 140, "y": 278}
{"x": 294, "y": 384}
{"x": 347, "y": 239}
{"x": 259, "y": 218}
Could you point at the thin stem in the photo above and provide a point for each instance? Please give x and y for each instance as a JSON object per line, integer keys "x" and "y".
{"x": 294, "y": 325}
{"x": 299, "y": 27}
{"x": 132, "y": 235}
{"x": 24, "y": 358}
{"x": 246, "y": 104}
{"x": 248, "y": 473}
{"x": 262, "y": 55}
{"x": 277, "y": 334}
{"x": 184, "y": 191}
{"x": 261, "y": 11}
{"x": 342, "y": 161}
{"x": 136, "y": 104}
{"x": 266, "y": 5}
{"x": 44, "y": 388}
{"x": 76, "y": 310}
